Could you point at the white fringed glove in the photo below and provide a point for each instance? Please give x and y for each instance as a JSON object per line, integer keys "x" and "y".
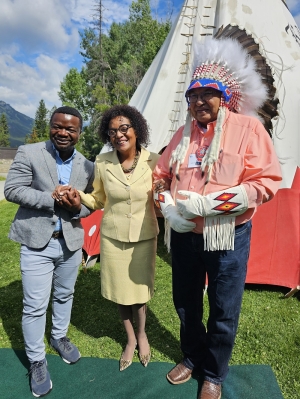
{"x": 165, "y": 203}
{"x": 176, "y": 221}
{"x": 230, "y": 202}
{"x": 192, "y": 206}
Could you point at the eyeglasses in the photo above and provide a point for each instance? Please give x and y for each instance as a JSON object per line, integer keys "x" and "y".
{"x": 122, "y": 129}
{"x": 205, "y": 96}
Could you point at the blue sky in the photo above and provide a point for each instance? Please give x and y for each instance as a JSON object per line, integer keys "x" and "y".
{"x": 39, "y": 43}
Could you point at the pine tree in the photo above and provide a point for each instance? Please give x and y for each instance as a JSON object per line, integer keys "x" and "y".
{"x": 50, "y": 112}
{"x": 4, "y": 132}
{"x": 41, "y": 122}
{"x": 32, "y": 138}
{"x": 115, "y": 63}
{"x": 40, "y": 130}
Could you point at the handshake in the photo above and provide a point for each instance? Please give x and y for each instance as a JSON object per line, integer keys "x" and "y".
{"x": 68, "y": 198}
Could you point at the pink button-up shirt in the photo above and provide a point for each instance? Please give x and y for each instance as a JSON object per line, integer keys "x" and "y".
{"x": 246, "y": 157}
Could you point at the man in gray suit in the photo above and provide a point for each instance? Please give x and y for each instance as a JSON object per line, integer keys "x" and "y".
{"x": 51, "y": 237}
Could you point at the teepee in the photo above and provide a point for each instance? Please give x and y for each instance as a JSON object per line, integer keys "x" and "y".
{"x": 268, "y": 31}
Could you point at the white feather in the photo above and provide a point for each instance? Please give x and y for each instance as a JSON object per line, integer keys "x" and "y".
{"x": 238, "y": 62}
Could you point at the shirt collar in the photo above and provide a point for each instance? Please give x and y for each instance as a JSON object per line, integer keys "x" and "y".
{"x": 69, "y": 159}
{"x": 210, "y": 126}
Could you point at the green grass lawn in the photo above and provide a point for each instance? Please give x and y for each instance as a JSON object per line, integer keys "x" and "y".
{"x": 268, "y": 333}
{"x": 2, "y": 178}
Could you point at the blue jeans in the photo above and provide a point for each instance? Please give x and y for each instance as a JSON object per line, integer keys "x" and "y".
{"x": 209, "y": 348}
{"x": 56, "y": 267}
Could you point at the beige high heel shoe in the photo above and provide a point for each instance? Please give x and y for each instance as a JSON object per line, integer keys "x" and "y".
{"x": 124, "y": 364}
{"x": 145, "y": 359}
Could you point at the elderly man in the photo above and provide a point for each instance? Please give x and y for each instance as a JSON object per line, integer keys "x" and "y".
{"x": 220, "y": 166}
{"x": 51, "y": 237}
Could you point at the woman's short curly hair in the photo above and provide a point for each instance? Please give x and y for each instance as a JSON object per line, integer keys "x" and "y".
{"x": 137, "y": 121}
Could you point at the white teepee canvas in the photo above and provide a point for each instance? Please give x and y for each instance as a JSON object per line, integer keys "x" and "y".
{"x": 160, "y": 95}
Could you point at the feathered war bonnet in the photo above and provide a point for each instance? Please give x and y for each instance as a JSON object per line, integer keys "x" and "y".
{"x": 225, "y": 66}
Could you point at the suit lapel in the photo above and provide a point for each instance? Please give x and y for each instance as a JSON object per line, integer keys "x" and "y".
{"x": 141, "y": 167}
{"x": 75, "y": 172}
{"x": 50, "y": 159}
{"x": 114, "y": 167}
{"x": 49, "y": 156}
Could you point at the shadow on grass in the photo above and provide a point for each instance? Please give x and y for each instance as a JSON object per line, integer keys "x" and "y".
{"x": 98, "y": 317}
{"x": 11, "y": 306}
{"x": 91, "y": 314}
{"x": 11, "y": 312}
{"x": 270, "y": 288}
{"x": 161, "y": 248}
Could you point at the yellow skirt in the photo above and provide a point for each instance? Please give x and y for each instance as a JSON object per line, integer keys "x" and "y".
{"x": 127, "y": 270}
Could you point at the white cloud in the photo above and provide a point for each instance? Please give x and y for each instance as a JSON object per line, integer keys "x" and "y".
{"x": 39, "y": 43}
{"x": 113, "y": 11}
{"x": 117, "y": 11}
{"x": 23, "y": 86}
{"x": 37, "y": 39}
{"x": 38, "y": 26}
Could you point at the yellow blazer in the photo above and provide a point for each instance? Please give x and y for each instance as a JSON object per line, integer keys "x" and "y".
{"x": 129, "y": 214}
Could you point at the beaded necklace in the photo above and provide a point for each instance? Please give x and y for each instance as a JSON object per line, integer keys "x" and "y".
{"x": 132, "y": 167}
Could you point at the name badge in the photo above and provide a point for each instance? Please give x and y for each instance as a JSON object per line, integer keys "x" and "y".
{"x": 193, "y": 161}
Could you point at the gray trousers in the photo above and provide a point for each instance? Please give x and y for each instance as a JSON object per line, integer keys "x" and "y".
{"x": 53, "y": 266}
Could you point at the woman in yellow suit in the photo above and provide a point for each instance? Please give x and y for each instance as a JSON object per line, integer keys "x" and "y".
{"x": 123, "y": 187}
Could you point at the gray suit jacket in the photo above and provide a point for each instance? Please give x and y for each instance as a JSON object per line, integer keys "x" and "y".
{"x": 30, "y": 183}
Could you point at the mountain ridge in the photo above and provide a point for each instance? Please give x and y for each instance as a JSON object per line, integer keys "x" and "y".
{"x": 19, "y": 124}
